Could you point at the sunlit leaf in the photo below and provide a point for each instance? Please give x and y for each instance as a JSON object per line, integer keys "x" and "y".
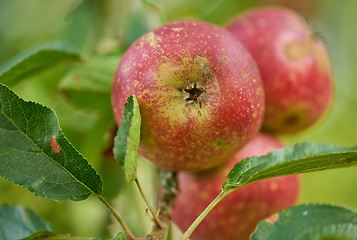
{"x": 36, "y": 61}
{"x": 17, "y": 222}
{"x": 299, "y": 158}
{"x": 127, "y": 141}
{"x": 35, "y": 154}
{"x": 307, "y": 222}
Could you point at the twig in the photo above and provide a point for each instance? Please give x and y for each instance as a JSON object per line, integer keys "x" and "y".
{"x": 119, "y": 218}
{"x": 199, "y": 219}
{"x": 157, "y": 221}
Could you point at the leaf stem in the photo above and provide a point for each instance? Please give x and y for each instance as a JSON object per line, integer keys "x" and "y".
{"x": 119, "y": 218}
{"x": 199, "y": 219}
{"x": 157, "y": 221}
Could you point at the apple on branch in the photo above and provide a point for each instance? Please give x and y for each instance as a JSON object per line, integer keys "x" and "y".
{"x": 199, "y": 91}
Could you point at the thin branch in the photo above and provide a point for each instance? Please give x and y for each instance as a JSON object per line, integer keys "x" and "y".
{"x": 119, "y": 218}
{"x": 199, "y": 219}
{"x": 157, "y": 221}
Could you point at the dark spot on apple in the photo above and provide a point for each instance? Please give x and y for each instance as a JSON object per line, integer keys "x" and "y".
{"x": 291, "y": 120}
{"x": 219, "y": 143}
{"x": 203, "y": 65}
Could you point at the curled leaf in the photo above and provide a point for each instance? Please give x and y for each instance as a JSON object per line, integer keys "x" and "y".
{"x": 127, "y": 141}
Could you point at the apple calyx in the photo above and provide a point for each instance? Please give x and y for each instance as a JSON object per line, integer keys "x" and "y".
{"x": 194, "y": 94}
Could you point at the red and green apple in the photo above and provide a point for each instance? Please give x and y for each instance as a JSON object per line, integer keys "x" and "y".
{"x": 199, "y": 91}
{"x": 294, "y": 65}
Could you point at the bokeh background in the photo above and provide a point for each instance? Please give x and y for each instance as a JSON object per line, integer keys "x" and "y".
{"x": 101, "y": 31}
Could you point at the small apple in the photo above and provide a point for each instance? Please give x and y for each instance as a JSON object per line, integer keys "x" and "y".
{"x": 237, "y": 215}
{"x": 199, "y": 92}
{"x": 294, "y": 65}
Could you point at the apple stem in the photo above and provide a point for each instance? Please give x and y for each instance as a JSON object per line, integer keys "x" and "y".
{"x": 119, "y": 218}
{"x": 156, "y": 219}
{"x": 199, "y": 219}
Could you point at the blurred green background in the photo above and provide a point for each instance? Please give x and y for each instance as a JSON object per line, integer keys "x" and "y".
{"x": 101, "y": 31}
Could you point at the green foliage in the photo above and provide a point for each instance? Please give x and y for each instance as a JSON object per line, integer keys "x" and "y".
{"x": 305, "y": 222}
{"x": 299, "y": 158}
{"x": 35, "y": 61}
{"x": 127, "y": 141}
{"x": 17, "y": 222}
{"x": 35, "y": 154}
{"x": 89, "y": 85}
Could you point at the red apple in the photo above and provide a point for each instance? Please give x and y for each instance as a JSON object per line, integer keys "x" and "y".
{"x": 294, "y": 65}
{"x": 237, "y": 215}
{"x": 199, "y": 91}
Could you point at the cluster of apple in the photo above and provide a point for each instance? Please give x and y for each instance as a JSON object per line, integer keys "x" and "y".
{"x": 205, "y": 98}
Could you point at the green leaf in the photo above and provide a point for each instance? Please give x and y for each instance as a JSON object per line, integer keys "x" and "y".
{"x": 42, "y": 235}
{"x": 89, "y": 85}
{"x": 36, "y": 61}
{"x": 305, "y": 222}
{"x": 84, "y": 25}
{"x": 299, "y": 158}
{"x": 17, "y": 222}
{"x": 126, "y": 143}
{"x": 35, "y": 154}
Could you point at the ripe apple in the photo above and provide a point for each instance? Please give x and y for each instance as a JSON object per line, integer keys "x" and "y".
{"x": 199, "y": 92}
{"x": 294, "y": 65}
{"x": 237, "y": 215}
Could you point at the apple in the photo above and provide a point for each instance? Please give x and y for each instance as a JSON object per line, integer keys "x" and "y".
{"x": 200, "y": 94}
{"x": 236, "y": 216}
{"x": 294, "y": 65}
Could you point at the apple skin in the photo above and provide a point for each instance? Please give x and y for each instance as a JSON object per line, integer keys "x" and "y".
{"x": 236, "y": 216}
{"x": 190, "y": 59}
{"x": 294, "y": 65}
